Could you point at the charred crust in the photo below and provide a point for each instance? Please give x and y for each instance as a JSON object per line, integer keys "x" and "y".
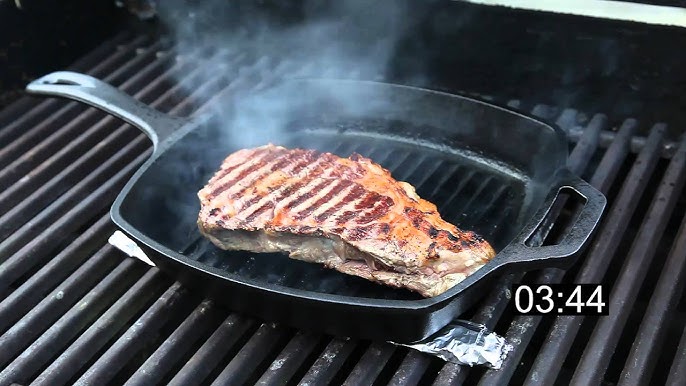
{"x": 433, "y": 232}
{"x": 385, "y": 228}
{"x": 432, "y": 254}
{"x": 214, "y": 211}
{"x": 476, "y": 238}
{"x": 306, "y": 229}
{"x": 451, "y": 237}
{"x": 415, "y": 216}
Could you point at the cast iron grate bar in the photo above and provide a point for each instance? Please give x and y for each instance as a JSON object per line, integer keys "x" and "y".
{"x": 597, "y": 355}
{"x": 208, "y": 356}
{"x": 145, "y": 329}
{"x": 669, "y": 289}
{"x": 25, "y": 249}
{"x": 14, "y": 121}
{"x": 325, "y": 368}
{"x": 159, "y": 363}
{"x": 120, "y": 353}
{"x": 370, "y": 364}
{"x": 64, "y": 367}
{"x": 67, "y": 164}
{"x": 56, "y": 140}
{"x": 120, "y": 67}
{"x": 677, "y": 373}
{"x": 61, "y": 330}
{"x": 411, "y": 370}
{"x": 76, "y": 256}
{"x": 253, "y": 353}
{"x": 289, "y": 360}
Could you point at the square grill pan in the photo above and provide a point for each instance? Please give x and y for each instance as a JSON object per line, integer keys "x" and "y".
{"x": 488, "y": 169}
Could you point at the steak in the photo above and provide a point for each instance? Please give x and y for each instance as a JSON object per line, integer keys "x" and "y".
{"x": 346, "y": 213}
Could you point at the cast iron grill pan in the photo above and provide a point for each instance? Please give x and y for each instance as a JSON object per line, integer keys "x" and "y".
{"x": 487, "y": 169}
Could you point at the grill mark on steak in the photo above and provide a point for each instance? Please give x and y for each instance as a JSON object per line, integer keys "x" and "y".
{"x": 294, "y": 168}
{"x": 254, "y": 215}
{"x": 310, "y": 159}
{"x": 334, "y": 200}
{"x": 268, "y": 168}
{"x": 311, "y": 169}
{"x": 308, "y": 169}
{"x": 225, "y": 170}
{"x": 307, "y": 194}
{"x": 356, "y": 192}
{"x": 346, "y": 216}
{"x": 335, "y": 189}
{"x": 287, "y": 191}
{"x": 369, "y": 199}
{"x": 246, "y": 186}
{"x": 308, "y": 206}
{"x": 255, "y": 158}
{"x": 244, "y": 173}
{"x": 381, "y": 207}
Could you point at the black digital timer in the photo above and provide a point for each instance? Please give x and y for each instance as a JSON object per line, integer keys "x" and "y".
{"x": 560, "y": 299}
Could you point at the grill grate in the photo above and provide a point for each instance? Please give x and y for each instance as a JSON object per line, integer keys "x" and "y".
{"x": 74, "y": 310}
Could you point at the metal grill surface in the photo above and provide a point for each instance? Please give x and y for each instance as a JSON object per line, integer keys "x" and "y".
{"x": 75, "y": 310}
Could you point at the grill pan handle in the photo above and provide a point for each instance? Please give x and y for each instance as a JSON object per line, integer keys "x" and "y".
{"x": 85, "y": 88}
{"x": 558, "y": 255}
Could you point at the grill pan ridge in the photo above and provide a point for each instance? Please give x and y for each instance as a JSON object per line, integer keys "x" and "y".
{"x": 488, "y": 169}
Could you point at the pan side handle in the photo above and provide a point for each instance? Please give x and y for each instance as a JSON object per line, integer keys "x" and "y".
{"x": 558, "y": 255}
{"x": 84, "y": 88}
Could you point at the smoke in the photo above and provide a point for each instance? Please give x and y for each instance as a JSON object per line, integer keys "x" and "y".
{"x": 244, "y": 49}
{"x": 232, "y": 56}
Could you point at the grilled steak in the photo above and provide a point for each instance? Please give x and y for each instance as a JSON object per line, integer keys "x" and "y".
{"x": 346, "y": 213}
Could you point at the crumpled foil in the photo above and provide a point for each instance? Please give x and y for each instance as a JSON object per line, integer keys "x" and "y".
{"x": 466, "y": 343}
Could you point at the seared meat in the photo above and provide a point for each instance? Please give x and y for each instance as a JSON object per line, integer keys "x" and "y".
{"x": 346, "y": 213}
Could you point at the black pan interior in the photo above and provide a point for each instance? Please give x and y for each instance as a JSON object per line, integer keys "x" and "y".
{"x": 474, "y": 187}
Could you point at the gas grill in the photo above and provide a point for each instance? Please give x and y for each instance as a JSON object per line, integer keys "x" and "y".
{"x": 75, "y": 310}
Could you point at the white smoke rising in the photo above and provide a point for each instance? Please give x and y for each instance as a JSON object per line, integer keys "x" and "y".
{"x": 348, "y": 39}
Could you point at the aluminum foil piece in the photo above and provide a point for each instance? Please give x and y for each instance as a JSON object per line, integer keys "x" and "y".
{"x": 123, "y": 243}
{"x": 466, "y": 343}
